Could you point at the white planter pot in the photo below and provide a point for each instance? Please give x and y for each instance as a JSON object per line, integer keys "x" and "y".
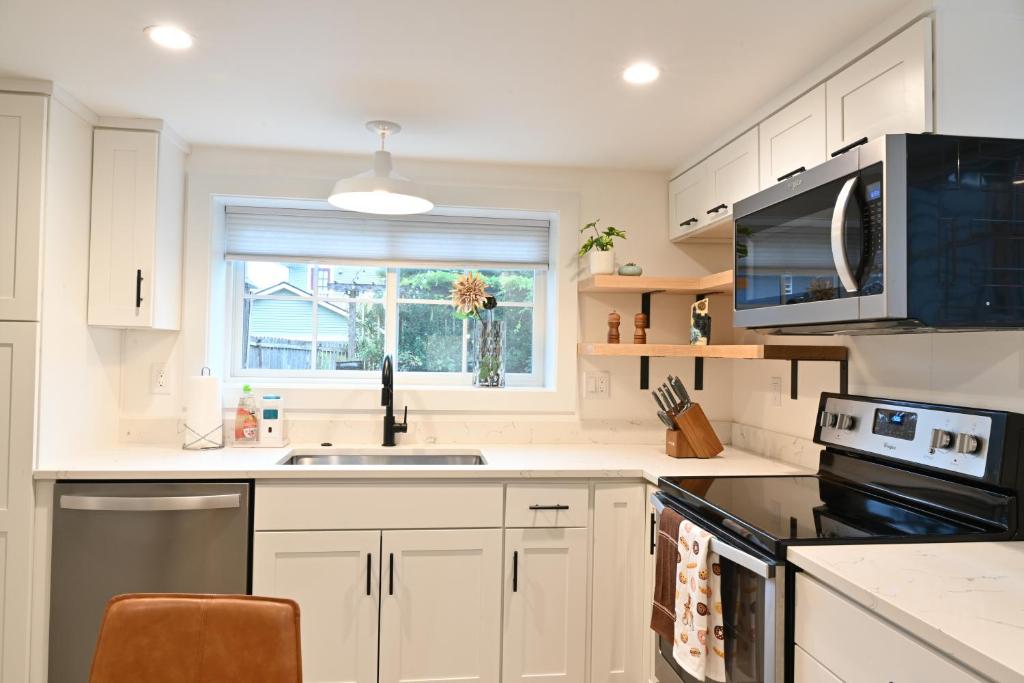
{"x": 601, "y": 262}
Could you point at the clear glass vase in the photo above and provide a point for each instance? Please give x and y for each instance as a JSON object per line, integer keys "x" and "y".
{"x": 489, "y": 346}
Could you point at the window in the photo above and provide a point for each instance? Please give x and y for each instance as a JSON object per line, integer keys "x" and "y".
{"x": 316, "y": 314}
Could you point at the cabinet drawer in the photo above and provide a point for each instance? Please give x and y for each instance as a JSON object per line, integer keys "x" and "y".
{"x": 534, "y": 505}
{"x": 855, "y": 645}
{"x": 326, "y": 505}
{"x": 807, "y": 669}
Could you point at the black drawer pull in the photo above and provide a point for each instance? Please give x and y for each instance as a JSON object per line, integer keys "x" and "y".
{"x": 688, "y": 221}
{"x": 549, "y": 507}
{"x": 718, "y": 208}
{"x": 653, "y": 524}
{"x": 847, "y": 148}
{"x": 369, "y": 569}
{"x": 790, "y": 174}
{"x": 515, "y": 572}
{"x": 138, "y": 288}
{"x": 391, "y": 573}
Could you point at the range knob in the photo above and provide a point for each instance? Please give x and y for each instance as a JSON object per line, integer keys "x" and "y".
{"x": 845, "y": 422}
{"x": 941, "y": 439}
{"x": 827, "y": 419}
{"x": 967, "y": 443}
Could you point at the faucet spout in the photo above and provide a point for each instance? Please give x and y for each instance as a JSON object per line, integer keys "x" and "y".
{"x": 387, "y": 399}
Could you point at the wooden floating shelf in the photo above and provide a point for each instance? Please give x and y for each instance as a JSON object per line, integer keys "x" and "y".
{"x": 735, "y": 351}
{"x": 642, "y": 284}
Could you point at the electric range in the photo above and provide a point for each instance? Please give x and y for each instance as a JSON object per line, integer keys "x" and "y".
{"x": 890, "y": 472}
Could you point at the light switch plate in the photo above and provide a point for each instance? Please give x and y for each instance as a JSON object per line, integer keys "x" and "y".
{"x": 597, "y": 385}
{"x": 159, "y": 382}
{"x": 775, "y": 391}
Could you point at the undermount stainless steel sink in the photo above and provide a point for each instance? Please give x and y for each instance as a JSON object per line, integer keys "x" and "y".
{"x": 390, "y": 456}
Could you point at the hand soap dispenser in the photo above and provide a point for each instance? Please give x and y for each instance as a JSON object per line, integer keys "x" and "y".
{"x": 272, "y": 430}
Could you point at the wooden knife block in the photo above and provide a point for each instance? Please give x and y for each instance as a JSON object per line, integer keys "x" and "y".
{"x": 694, "y": 437}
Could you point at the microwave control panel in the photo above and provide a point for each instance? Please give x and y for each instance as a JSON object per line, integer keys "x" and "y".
{"x": 872, "y": 277}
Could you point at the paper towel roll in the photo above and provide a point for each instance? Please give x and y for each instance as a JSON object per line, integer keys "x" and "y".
{"x": 204, "y": 413}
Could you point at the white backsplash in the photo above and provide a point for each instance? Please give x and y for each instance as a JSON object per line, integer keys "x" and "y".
{"x": 794, "y": 450}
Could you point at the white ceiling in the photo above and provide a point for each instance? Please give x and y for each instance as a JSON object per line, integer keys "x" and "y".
{"x": 513, "y": 80}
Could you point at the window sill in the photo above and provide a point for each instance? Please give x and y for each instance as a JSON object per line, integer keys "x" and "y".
{"x": 360, "y": 397}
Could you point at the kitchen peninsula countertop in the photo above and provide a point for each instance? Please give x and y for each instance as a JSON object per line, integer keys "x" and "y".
{"x": 504, "y": 461}
{"x": 964, "y": 599}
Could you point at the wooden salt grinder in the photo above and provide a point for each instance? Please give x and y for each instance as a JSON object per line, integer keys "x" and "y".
{"x": 613, "y": 327}
{"x": 640, "y": 333}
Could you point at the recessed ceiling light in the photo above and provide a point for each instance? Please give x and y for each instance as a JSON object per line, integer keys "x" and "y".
{"x": 171, "y": 37}
{"x": 641, "y": 73}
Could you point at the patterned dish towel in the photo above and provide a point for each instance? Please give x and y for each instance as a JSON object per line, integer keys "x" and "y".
{"x": 699, "y": 645}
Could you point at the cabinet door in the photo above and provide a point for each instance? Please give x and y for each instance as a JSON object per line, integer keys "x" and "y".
{"x": 687, "y": 196}
{"x": 620, "y": 531}
{"x": 650, "y": 639}
{"x": 440, "y": 617}
{"x": 545, "y": 605}
{"x": 807, "y": 669}
{"x": 22, "y": 149}
{"x": 123, "y": 231}
{"x": 335, "y": 578}
{"x": 18, "y": 358}
{"x": 793, "y": 138}
{"x": 889, "y": 90}
{"x": 732, "y": 175}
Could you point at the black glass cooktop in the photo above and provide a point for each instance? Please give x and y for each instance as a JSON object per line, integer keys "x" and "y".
{"x": 773, "y": 512}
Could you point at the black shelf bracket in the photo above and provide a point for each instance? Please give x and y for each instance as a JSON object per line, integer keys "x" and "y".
{"x": 794, "y": 377}
{"x": 645, "y": 361}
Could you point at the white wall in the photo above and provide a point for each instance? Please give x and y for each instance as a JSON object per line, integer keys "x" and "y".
{"x": 634, "y": 201}
{"x": 80, "y": 366}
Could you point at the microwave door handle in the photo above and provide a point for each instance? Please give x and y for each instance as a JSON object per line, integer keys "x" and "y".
{"x": 839, "y": 236}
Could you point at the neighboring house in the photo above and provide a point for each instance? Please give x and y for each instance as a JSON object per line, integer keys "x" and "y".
{"x": 278, "y": 318}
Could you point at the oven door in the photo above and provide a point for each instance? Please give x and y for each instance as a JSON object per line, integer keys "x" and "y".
{"x": 816, "y": 248}
{"x": 753, "y": 605}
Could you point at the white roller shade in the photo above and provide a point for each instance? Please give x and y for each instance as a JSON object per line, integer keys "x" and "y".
{"x": 280, "y": 234}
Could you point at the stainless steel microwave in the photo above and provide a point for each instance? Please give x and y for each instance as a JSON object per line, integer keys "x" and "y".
{"x": 903, "y": 233}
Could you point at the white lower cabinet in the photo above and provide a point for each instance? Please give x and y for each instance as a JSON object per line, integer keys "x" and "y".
{"x": 617, "y": 613}
{"x": 545, "y": 623}
{"x": 807, "y": 669}
{"x": 440, "y": 616}
{"x": 650, "y": 640}
{"x": 335, "y": 578}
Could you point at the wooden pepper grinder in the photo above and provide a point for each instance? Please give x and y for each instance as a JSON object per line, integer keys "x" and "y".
{"x": 613, "y": 327}
{"x": 640, "y": 333}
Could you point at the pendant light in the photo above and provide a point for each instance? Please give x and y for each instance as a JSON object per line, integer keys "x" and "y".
{"x": 380, "y": 190}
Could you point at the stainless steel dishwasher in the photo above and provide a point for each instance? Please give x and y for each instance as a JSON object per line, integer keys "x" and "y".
{"x": 139, "y": 537}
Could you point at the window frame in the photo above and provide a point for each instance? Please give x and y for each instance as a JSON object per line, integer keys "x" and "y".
{"x": 235, "y": 350}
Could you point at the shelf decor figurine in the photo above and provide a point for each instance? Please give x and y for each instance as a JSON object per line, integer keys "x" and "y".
{"x": 613, "y": 327}
{"x": 469, "y": 297}
{"x": 700, "y": 323}
{"x": 640, "y": 331}
{"x": 600, "y": 246}
{"x": 630, "y": 269}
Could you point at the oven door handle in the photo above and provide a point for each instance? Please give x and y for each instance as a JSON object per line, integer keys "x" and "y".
{"x": 729, "y": 552}
{"x": 839, "y": 257}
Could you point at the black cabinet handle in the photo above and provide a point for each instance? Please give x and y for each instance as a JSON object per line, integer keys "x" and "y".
{"x": 688, "y": 221}
{"x": 790, "y": 174}
{"x": 847, "y": 148}
{"x": 718, "y": 208}
{"x": 653, "y": 524}
{"x": 138, "y": 288}
{"x": 391, "y": 573}
{"x": 515, "y": 571}
{"x": 369, "y": 568}
{"x": 549, "y": 507}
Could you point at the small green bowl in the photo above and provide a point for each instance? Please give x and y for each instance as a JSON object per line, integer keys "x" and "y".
{"x": 630, "y": 269}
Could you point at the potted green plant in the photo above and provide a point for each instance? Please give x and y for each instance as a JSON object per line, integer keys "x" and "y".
{"x": 601, "y": 247}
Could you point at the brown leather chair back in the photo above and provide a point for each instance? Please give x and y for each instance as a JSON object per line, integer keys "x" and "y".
{"x": 169, "y": 638}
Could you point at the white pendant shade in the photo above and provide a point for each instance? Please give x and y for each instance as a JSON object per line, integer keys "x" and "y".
{"x": 380, "y": 190}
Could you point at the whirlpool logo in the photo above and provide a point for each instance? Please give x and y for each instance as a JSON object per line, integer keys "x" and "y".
{"x": 793, "y": 184}
{"x": 888, "y": 446}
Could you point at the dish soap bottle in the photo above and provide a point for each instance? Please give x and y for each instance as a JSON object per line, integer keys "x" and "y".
{"x": 247, "y": 428}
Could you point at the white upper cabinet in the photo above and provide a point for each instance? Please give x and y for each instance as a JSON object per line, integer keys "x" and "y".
{"x": 793, "y": 138}
{"x": 22, "y": 163}
{"x": 732, "y": 175}
{"x": 545, "y": 631}
{"x": 687, "y": 199}
{"x": 440, "y": 615}
{"x": 334, "y": 576}
{"x": 888, "y": 90}
{"x": 137, "y": 228}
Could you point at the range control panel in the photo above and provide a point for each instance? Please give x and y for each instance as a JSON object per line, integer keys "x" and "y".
{"x": 943, "y": 438}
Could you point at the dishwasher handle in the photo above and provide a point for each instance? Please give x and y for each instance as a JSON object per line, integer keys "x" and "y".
{"x": 150, "y": 503}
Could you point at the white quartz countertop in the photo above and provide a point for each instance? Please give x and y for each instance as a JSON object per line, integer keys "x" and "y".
{"x": 504, "y": 461}
{"x": 964, "y": 599}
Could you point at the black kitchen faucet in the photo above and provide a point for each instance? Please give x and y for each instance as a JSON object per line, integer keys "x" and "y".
{"x": 387, "y": 399}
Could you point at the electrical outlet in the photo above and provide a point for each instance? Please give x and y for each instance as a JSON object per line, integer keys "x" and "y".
{"x": 597, "y": 384}
{"x": 159, "y": 382}
{"x": 775, "y": 391}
